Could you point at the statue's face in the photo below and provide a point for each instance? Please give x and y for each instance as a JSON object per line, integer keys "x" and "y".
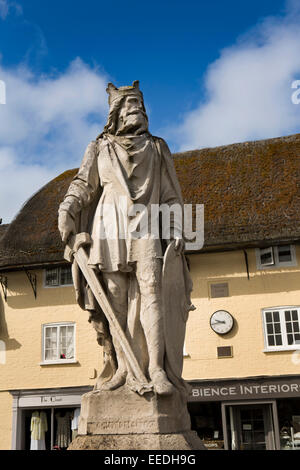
{"x": 132, "y": 117}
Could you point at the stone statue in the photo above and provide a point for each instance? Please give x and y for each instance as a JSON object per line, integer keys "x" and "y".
{"x": 146, "y": 279}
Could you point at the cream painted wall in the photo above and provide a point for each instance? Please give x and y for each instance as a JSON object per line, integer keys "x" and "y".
{"x": 21, "y": 330}
{"x": 266, "y": 288}
{"x": 22, "y": 317}
{"x": 6, "y": 401}
{"x": 21, "y": 320}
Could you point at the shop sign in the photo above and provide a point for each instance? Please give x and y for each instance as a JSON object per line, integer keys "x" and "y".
{"x": 51, "y": 399}
{"x": 247, "y": 389}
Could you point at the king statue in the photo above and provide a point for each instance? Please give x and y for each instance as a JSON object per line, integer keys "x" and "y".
{"x": 145, "y": 279}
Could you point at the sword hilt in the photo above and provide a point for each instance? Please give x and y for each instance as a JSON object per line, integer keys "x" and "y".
{"x": 74, "y": 243}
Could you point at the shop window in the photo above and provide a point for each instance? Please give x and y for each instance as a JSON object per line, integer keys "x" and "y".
{"x": 58, "y": 343}
{"x": 55, "y": 277}
{"x": 275, "y": 256}
{"x": 49, "y": 428}
{"x": 281, "y": 328}
{"x": 206, "y": 420}
{"x": 289, "y": 423}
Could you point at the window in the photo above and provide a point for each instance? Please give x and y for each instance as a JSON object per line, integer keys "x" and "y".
{"x": 281, "y": 328}
{"x": 276, "y": 256}
{"x": 55, "y": 277}
{"x": 58, "y": 342}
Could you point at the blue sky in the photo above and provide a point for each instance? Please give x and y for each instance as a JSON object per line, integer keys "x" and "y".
{"x": 212, "y": 73}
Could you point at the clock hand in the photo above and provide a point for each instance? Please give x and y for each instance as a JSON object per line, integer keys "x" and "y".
{"x": 218, "y": 321}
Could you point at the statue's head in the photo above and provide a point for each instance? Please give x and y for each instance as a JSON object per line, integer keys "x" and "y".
{"x": 127, "y": 114}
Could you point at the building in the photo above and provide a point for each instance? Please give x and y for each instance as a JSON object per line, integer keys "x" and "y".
{"x": 245, "y": 383}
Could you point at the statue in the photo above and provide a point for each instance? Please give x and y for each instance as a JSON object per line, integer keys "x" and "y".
{"x": 145, "y": 279}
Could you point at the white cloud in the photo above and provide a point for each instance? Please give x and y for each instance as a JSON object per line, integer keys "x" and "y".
{"x": 45, "y": 126}
{"x": 6, "y": 6}
{"x": 248, "y": 89}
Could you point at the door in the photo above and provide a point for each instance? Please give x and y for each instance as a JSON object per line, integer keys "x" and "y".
{"x": 250, "y": 427}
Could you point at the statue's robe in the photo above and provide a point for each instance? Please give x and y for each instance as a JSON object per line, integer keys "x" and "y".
{"x": 141, "y": 170}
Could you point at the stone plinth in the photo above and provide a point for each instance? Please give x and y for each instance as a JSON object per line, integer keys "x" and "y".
{"x": 177, "y": 441}
{"x": 124, "y": 420}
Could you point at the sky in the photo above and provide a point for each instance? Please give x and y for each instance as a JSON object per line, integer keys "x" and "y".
{"x": 212, "y": 73}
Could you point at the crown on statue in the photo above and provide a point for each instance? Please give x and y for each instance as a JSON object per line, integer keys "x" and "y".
{"x": 115, "y": 92}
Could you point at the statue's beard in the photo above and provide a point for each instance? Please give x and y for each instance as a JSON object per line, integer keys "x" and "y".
{"x": 135, "y": 123}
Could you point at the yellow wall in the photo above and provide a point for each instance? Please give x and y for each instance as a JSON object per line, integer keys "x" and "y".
{"x": 22, "y": 332}
{"x": 266, "y": 288}
{"x": 6, "y": 401}
{"x": 21, "y": 320}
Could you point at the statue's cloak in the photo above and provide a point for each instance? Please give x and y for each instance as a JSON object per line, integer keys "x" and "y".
{"x": 176, "y": 280}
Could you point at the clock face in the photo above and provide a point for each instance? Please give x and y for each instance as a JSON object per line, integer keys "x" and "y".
{"x": 221, "y": 322}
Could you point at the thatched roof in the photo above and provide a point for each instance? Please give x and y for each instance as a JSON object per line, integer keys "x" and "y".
{"x": 3, "y": 229}
{"x": 251, "y": 193}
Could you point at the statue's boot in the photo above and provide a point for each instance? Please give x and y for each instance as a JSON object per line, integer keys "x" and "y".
{"x": 162, "y": 385}
{"x": 119, "y": 377}
{"x": 117, "y": 381}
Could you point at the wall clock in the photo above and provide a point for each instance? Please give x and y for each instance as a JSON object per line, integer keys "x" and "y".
{"x": 221, "y": 322}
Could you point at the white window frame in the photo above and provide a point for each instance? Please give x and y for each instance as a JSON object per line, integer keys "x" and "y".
{"x": 59, "y": 284}
{"x": 285, "y": 346}
{"x": 277, "y": 264}
{"x": 58, "y": 361}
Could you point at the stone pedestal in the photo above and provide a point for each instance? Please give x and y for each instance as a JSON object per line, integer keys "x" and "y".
{"x": 124, "y": 420}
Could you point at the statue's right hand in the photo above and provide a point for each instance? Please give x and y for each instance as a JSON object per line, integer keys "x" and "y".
{"x": 66, "y": 225}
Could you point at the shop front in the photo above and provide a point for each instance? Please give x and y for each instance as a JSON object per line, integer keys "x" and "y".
{"x": 45, "y": 419}
{"x": 259, "y": 413}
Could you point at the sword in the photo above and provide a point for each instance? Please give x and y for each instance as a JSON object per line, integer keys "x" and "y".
{"x": 75, "y": 249}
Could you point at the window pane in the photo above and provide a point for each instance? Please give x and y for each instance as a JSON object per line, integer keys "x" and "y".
{"x": 66, "y": 275}
{"x": 294, "y": 315}
{"x": 273, "y": 328}
{"x": 270, "y": 328}
{"x": 67, "y": 342}
{"x": 276, "y": 317}
{"x": 268, "y": 317}
{"x": 292, "y": 326}
{"x": 52, "y": 277}
{"x": 284, "y": 253}
{"x": 271, "y": 340}
{"x": 266, "y": 256}
{"x": 277, "y": 328}
{"x": 50, "y": 343}
{"x": 290, "y": 339}
{"x": 287, "y": 314}
{"x": 50, "y": 355}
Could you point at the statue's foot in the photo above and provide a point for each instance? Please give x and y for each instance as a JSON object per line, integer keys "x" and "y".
{"x": 161, "y": 384}
{"x": 117, "y": 381}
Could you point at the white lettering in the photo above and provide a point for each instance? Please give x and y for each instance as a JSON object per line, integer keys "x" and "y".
{"x": 2, "y": 92}
{"x": 295, "y": 99}
{"x": 2, "y": 352}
